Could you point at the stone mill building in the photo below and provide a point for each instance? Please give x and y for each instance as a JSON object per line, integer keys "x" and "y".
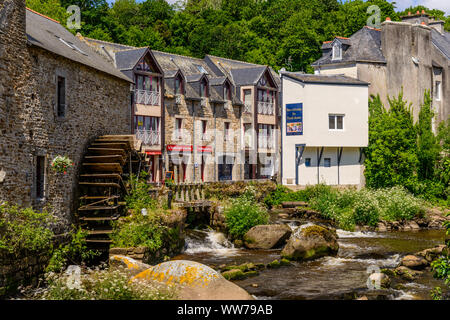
{"x": 56, "y": 96}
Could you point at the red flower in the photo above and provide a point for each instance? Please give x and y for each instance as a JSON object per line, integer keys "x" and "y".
{"x": 65, "y": 172}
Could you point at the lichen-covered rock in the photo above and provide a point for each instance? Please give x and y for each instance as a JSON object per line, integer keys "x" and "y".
{"x": 267, "y": 236}
{"x": 310, "y": 242}
{"x": 406, "y": 273}
{"x": 274, "y": 264}
{"x": 132, "y": 266}
{"x": 414, "y": 262}
{"x": 193, "y": 281}
{"x": 233, "y": 274}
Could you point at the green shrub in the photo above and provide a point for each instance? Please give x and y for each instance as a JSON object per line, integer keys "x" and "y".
{"x": 74, "y": 252}
{"x": 138, "y": 230}
{"x": 277, "y": 196}
{"x": 25, "y": 229}
{"x": 244, "y": 213}
{"x": 139, "y": 197}
{"x": 103, "y": 285}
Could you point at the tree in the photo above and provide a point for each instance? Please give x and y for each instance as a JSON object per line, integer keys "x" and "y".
{"x": 391, "y": 157}
{"x": 428, "y": 148}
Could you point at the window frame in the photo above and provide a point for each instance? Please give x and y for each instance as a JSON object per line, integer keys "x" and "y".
{"x": 438, "y": 90}
{"x": 337, "y": 48}
{"x": 59, "y": 114}
{"x": 336, "y": 115}
{"x": 40, "y": 179}
{"x": 178, "y": 128}
{"x": 307, "y": 162}
{"x": 325, "y": 162}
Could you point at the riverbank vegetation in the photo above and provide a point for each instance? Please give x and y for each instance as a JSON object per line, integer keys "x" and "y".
{"x": 351, "y": 207}
{"x": 441, "y": 267}
{"x": 408, "y": 154}
{"x": 106, "y": 284}
{"x": 25, "y": 229}
{"x": 244, "y": 212}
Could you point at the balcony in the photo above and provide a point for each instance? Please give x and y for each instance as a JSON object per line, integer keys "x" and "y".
{"x": 148, "y": 137}
{"x": 147, "y": 97}
{"x": 266, "y": 142}
{"x": 266, "y": 108}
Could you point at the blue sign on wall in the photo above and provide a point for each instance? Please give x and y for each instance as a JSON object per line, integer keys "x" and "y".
{"x": 294, "y": 119}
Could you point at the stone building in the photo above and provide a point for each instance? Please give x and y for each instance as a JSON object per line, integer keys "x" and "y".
{"x": 213, "y": 123}
{"x": 56, "y": 95}
{"x": 413, "y": 55}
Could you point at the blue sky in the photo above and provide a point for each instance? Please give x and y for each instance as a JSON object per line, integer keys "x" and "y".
{"x": 443, "y": 5}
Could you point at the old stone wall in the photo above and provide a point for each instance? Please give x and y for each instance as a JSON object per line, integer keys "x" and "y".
{"x": 192, "y": 115}
{"x": 20, "y": 269}
{"x": 96, "y": 104}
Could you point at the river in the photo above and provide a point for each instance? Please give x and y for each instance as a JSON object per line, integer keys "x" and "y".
{"x": 339, "y": 277}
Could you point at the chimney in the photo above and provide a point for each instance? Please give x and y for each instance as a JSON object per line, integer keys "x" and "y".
{"x": 418, "y": 18}
{"x": 438, "y": 25}
{"x": 12, "y": 25}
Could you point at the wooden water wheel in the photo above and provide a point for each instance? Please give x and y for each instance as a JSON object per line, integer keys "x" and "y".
{"x": 101, "y": 185}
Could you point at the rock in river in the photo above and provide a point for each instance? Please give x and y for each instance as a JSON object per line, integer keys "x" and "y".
{"x": 414, "y": 262}
{"x": 193, "y": 281}
{"x": 310, "y": 242}
{"x": 267, "y": 236}
{"x": 132, "y": 266}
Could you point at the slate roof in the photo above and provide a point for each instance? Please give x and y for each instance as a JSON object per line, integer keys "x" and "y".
{"x": 50, "y": 35}
{"x": 325, "y": 79}
{"x": 364, "y": 45}
{"x": 441, "y": 41}
{"x": 127, "y": 59}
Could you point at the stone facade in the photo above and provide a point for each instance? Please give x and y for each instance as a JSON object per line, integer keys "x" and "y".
{"x": 210, "y": 146}
{"x": 17, "y": 269}
{"x": 96, "y": 103}
{"x": 412, "y": 55}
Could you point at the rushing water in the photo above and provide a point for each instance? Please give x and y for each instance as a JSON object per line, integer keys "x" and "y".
{"x": 336, "y": 277}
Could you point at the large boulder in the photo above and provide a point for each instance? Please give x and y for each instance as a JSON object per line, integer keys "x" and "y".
{"x": 310, "y": 242}
{"x": 193, "y": 281}
{"x": 133, "y": 267}
{"x": 267, "y": 236}
{"x": 414, "y": 262}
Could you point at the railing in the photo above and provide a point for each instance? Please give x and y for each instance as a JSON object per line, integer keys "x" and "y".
{"x": 148, "y": 97}
{"x": 266, "y": 142}
{"x": 149, "y": 137}
{"x": 248, "y": 107}
{"x": 265, "y": 108}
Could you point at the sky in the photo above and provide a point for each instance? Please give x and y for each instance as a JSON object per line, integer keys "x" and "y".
{"x": 443, "y": 5}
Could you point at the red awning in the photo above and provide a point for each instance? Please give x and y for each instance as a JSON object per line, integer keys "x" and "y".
{"x": 178, "y": 148}
{"x": 153, "y": 152}
{"x": 205, "y": 149}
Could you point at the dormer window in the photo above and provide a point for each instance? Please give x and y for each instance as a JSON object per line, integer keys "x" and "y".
{"x": 203, "y": 88}
{"x": 178, "y": 85}
{"x": 337, "y": 51}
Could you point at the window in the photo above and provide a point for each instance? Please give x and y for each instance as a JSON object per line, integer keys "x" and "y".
{"x": 178, "y": 128}
{"x": 61, "y": 97}
{"x": 227, "y": 91}
{"x": 146, "y": 123}
{"x": 308, "y": 162}
{"x": 204, "y": 127}
{"x": 178, "y": 85}
{"x": 40, "y": 177}
{"x": 327, "y": 162}
{"x": 438, "y": 91}
{"x": 227, "y": 131}
{"x": 336, "y": 122}
{"x": 203, "y": 88}
{"x": 337, "y": 51}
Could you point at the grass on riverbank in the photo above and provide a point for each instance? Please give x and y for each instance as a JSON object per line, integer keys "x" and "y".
{"x": 350, "y": 207}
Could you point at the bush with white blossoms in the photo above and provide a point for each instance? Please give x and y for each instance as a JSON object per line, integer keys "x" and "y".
{"x": 366, "y": 206}
{"x": 104, "y": 284}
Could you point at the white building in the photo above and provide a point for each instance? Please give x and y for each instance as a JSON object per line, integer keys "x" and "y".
{"x": 324, "y": 129}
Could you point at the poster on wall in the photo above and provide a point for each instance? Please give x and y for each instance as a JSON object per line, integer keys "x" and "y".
{"x": 294, "y": 119}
